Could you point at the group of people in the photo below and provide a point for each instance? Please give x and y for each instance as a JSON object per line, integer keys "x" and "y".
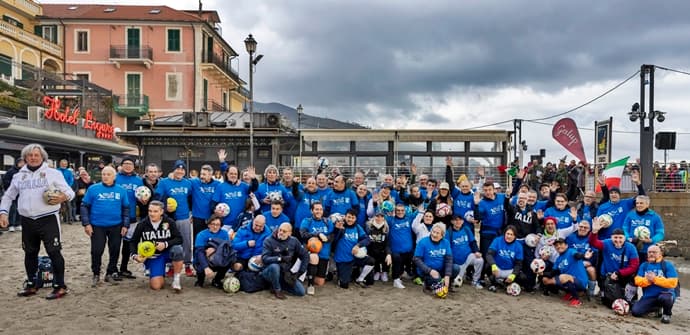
{"x": 291, "y": 235}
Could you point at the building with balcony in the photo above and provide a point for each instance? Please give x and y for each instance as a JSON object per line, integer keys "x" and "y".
{"x": 156, "y": 60}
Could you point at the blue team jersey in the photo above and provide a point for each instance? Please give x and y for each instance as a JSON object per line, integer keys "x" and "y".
{"x": 506, "y": 254}
{"x": 315, "y": 227}
{"x": 460, "y": 243}
{"x": 649, "y": 219}
{"x": 618, "y": 211}
{"x": 180, "y": 190}
{"x": 106, "y": 204}
{"x": 400, "y": 234}
{"x": 433, "y": 253}
{"x": 341, "y": 201}
{"x": 654, "y": 290}
{"x": 462, "y": 203}
{"x": 235, "y": 196}
{"x": 267, "y": 189}
{"x": 492, "y": 214}
{"x": 350, "y": 237}
{"x": 130, "y": 183}
{"x": 612, "y": 256}
{"x": 272, "y": 222}
{"x": 566, "y": 263}
{"x": 202, "y": 195}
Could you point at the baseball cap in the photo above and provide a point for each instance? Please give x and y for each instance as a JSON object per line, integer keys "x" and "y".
{"x": 444, "y": 186}
{"x": 126, "y": 159}
{"x": 179, "y": 164}
{"x": 615, "y": 189}
{"x": 559, "y": 240}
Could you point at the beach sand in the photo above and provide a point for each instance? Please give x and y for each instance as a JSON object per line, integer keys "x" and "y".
{"x": 131, "y": 308}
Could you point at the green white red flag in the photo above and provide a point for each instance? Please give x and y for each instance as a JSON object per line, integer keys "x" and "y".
{"x": 613, "y": 173}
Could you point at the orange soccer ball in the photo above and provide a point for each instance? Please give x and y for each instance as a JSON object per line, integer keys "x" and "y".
{"x": 314, "y": 245}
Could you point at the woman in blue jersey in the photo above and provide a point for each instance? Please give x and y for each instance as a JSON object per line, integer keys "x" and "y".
{"x": 569, "y": 272}
{"x": 402, "y": 243}
{"x": 349, "y": 240}
{"x": 565, "y": 216}
{"x": 504, "y": 258}
{"x": 579, "y": 241}
{"x": 465, "y": 251}
{"x": 204, "y": 250}
{"x": 434, "y": 259}
{"x": 306, "y": 197}
{"x": 105, "y": 217}
{"x": 363, "y": 195}
{"x": 321, "y": 228}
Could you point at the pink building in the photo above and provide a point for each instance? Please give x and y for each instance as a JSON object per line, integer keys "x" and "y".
{"x": 157, "y": 61}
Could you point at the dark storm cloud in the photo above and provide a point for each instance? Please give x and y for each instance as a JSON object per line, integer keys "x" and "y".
{"x": 341, "y": 56}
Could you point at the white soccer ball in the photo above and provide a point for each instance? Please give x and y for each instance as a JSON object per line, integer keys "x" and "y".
{"x": 231, "y": 284}
{"x": 605, "y": 220}
{"x": 443, "y": 210}
{"x": 538, "y": 265}
{"x": 323, "y": 162}
{"x": 335, "y": 217}
{"x": 223, "y": 209}
{"x": 142, "y": 193}
{"x": 514, "y": 289}
{"x": 275, "y": 196}
{"x": 255, "y": 264}
{"x": 361, "y": 252}
{"x": 546, "y": 251}
{"x": 531, "y": 240}
{"x": 620, "y": 306}
{"x": 469, "y": 216}
{"x": 642, "y": 232}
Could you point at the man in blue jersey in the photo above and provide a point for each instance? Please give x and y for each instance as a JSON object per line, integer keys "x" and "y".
{"x": 203, "y": 189}
{"x": 105, "y": 217}
{"x": 179, "y": 189}
{"x": 646, "y": 222}
{"x": 616, "y": 207}
{"x": 490, "y": 211}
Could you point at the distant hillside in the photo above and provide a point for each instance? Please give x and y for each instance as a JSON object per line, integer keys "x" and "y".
{"x": 308, "y": 121}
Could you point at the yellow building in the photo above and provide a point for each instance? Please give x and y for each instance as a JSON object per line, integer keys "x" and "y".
{"x": 25, "y": 46}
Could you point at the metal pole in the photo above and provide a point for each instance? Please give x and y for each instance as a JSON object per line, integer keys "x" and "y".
{"x": 251, "y": 109}
{"x": 299, "y": 130}
{"x": 646, "y": 132}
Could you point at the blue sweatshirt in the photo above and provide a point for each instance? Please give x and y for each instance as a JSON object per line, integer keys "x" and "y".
{"x": 492, "y": 214}
{"x": 618, "y": 211}
{"x": 346, "y": 239}
{"x": 130, "y": 183}
{"x": 246, "y": 234}
{"x": 566, "y": 263}
{"x": 180, "y": 190}
{"x": 272, "y": 223}
{"x": 202, "y": 195}
{"x": 341, "y": 202}
{"x": 235, "y": 196}
{"x": 105, "y": 206}
{"x": 205, "y": 235}
{"x": 462, "y": 243}
{"x": 400, "y": 234}
{"x": 312, "y": 228}
{"x": 564, "y": 222}
{"x": 69, "y": 176}
{"x": 267, "y": 188}
{"x": 649, "y": 219}
{"x": 506, "y": 253}
{"x": 433, "y": 254}
{"x": 306, "y": 199}
{"x": 612, "y": 256}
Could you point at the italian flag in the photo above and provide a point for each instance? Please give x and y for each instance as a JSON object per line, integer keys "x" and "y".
{"x": 613, "y": 173}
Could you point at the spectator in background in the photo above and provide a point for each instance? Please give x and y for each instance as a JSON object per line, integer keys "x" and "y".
{"x": 83, "y": 183}
{"x": 14, "y": 222}
{"x": 96, "y": 171}
{"x": 63, "y": 167}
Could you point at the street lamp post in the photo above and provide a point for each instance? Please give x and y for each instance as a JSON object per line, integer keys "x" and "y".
{"x": 250, "y": 45}
{"x": 300, "y": 110}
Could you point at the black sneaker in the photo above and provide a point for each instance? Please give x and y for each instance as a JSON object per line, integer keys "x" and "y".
{"x": 112, "y": 277}
{"x": 127, "y": 274}
{"x": 217, "y": 284}
{"x": 28, "y": 290}
{"x": 57, "y": 293}
{"x": 116, "y": 276}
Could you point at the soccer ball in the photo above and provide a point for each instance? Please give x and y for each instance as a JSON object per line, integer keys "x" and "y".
{"x": 443, "y": 210}
{"x": 323, "y": 163}
{"x": 439, "y": 288}
{"x": 255, "y": 264}
{"x": 642, "y": 232}
{"x": 50, "y": 192}
{"x": 514, "y": 289}
{"x": 142, "y": 193}
{"x": 620, "y": 306}
{"x": 314, "y": 244}
{"x": 546, "y": 251}
{"x": 531, "y": 240}
{"x": 146, "y": 249}
{"x": 538, "y": 265}
{"x": 387, "y": 206}
{"x": 231, "y": 284}
{"x": 361, "y": 252}
{"x": 223, "y": 209}
{"x": 605, "y": 220}
{"x": 275, "y": 196}
{"x": 171, "y": 205}
{"x": 469, "y": 216}
{"x": 335, "y": 217}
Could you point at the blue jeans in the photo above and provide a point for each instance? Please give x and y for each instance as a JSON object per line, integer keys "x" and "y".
{"x": 649, "y": 304}
{"x": 272, "y": 274}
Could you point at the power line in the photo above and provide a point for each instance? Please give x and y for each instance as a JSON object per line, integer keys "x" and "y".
{"x": 672, "y": 70}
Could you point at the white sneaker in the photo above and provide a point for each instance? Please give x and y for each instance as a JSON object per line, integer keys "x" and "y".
{"x": 384, "y": 276}
{"x": 377, "y": 276}
{"x": 397, "y": 283}
{"x": 310, "y": 290}
{"x": 477, "y": 285}
{"x": 176, "y": 286}
{"x": 457, "y": 282}
{"x": 19, "y": 228}
{"x": 11, "y": 229}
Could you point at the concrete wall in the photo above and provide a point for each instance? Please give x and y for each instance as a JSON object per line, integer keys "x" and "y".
{"x": 674, "y": 209}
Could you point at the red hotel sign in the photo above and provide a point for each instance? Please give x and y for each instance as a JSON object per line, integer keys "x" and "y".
{"x": 103, "y": 130}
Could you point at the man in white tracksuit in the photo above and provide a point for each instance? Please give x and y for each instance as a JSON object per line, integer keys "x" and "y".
{"x": 39, "y": 216}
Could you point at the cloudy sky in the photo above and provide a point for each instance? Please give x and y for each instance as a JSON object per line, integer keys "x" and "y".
{"x": 466, "y": 64}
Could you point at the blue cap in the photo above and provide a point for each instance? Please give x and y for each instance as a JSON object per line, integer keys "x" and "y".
{"x": 179, "y": 164}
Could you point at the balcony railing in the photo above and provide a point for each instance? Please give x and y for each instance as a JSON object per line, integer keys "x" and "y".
{"x": 27, "y": 6}
{"x": 31, "y": 39}
{"x": 214, "y": 106}
{"x": 222, "y": 65}
{"x": 125, "y": 54}
{"x": 131, "y": 105}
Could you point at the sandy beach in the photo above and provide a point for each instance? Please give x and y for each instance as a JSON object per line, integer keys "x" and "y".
{"x": 131, "y": 308}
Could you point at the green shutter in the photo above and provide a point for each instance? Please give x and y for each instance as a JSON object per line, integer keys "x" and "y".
{"x": 174, "y": 40}
{"x": 5, "y": 65}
